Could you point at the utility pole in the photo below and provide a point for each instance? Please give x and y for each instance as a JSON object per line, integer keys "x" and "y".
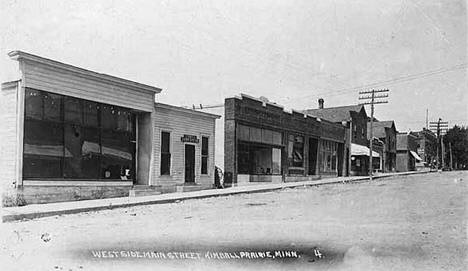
{"x": 442, "y": 145}
{"x": 451, "y": 157}
{"x": 427, "y": 118}
{"x": 439, "y": 127}
{"x": 374, "y": 99}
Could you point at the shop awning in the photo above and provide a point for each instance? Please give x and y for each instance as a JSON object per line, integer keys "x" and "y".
{"x": 358, "y": 150}
{"x": 416, "y": 156}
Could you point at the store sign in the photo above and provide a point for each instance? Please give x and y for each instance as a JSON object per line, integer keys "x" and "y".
{"x": 190, "y": 139}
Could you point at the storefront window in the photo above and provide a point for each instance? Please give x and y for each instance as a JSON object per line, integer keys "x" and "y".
{"x": 43, "y": 149}
{"x": 34, "y": 106}
{"x": 65, "y": 139}
{"x": 329, "y": 156}
{"x": 52, "y": 107}
{"x": 258, "y": 159}
{"x": 296, "y": 151}
{"x": 204, "y": 152}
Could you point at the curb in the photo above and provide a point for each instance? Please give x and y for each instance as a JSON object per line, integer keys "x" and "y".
{"x": 16, "y": 215}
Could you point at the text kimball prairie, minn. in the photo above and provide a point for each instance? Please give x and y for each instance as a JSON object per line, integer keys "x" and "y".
{"x": 174, "y": 255}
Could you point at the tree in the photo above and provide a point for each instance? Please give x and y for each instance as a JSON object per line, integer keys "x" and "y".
{"x": 458, "y": 138}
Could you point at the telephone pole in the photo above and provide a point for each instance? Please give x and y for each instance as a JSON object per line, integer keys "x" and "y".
{"x": 439, "y": 128}
{"x": 451, "y": 157}
{"x": 372, "y": 99}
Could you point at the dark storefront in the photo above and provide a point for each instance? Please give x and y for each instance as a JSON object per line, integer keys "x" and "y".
{"x": 265, "y": 144}
{"x": 75, "y": 139}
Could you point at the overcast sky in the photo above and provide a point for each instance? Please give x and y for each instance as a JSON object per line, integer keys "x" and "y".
{"x": 292, "y": 52}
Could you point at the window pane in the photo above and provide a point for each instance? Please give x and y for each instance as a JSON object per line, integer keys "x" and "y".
{"x": 73, "y": 110}
{"x": 255, "y": 134}
{"x": 90, "y": 110}
{"x": 165, "y": 142}
{"x": 108, "y": 117}
{"x": 117, "y": 155}
{"x": 267, "y": 136}
{"x": 124, "y": 120}
{"x": 243, "y": 133}
{"x": 82, "y": 152}
{"x": 276, "y": 161}
{"x": 43, "y": 149}
{"x": 165, "y": 163}
{"x": 204, "y": 145}
{"x": 263, "y": 160}
{"x": 33, "y": 104}
{"x": 243, "y": 159}
{"x": 42, "y": 166}
{"x": 204, "y": 165}
{"x": 298, "y": 152}
{"x": 276, "y": 138}
{"x": 90, "y": 153}
{"x": 73, "y": 143}
{"x": 52, "y": 107}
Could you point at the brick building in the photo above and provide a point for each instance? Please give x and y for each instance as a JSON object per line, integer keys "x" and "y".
{"x": 386, "y": 132}
{"x": 354, "y": 117}
{"x": 263, "y": 143}
{"x": 427, "y": 147}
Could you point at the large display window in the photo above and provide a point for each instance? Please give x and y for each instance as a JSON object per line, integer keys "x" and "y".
{"x": 329, "y": 150}
{"x": 74, "y": 139}
{"x": 256, "y": 159}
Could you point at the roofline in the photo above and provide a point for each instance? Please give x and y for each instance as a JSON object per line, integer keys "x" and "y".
{"x": 186, "y": 110}
{"x": 19, "y": 55}
{"x": 10, "y": 84}
{"x": 306, "y": 115}
{"x": 334, "y": 107}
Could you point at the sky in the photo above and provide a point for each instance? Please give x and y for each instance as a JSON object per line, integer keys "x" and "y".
{"x": 292, "y": 52}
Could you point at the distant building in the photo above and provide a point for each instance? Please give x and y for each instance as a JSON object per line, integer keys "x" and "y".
{"x": 386, "y": 132}
{"x": 427, "y": 147}
{"x": 354, "y": 117}
{"x": 407, "y": 156}
{"x": 263, "y": 143}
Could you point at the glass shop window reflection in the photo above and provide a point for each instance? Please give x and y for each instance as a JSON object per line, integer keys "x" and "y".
{"x": 71, "y": 138}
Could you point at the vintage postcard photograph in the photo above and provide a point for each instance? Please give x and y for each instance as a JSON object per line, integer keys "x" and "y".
{"x": 234, "y": 135}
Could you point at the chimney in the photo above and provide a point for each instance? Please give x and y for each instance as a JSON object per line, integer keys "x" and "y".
{"x": 320, "y": 103}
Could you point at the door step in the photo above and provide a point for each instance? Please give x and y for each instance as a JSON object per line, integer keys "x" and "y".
{"x": 144, "y": 190}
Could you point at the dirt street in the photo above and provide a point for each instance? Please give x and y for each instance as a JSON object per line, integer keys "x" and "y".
{"x": 401, "y": 223}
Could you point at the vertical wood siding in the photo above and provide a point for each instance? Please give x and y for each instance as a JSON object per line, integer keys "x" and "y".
{"x": 8, "y": 134}
{"x": 64, "y": 82}
{"x": 180, "y": 123}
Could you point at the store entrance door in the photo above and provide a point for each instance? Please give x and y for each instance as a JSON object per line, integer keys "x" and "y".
{"x": 189, "y": 163}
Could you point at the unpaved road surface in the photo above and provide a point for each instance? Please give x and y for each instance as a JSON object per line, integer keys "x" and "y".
{"x": 401, "y": 223}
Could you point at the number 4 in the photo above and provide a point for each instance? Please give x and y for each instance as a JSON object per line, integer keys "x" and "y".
{"x": 317, "y": 253}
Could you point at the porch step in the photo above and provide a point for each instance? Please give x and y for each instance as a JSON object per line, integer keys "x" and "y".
{"x": 144, "y": 190}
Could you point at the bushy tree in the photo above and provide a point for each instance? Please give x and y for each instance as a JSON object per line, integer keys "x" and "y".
{"x": 458, "y": 137}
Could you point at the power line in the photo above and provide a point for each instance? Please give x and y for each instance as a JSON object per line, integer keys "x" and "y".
{"x": 390, "y": 81}
{"x": 374, "y": 99}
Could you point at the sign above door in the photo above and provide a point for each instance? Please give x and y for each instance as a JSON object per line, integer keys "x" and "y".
{"x": 189, "y": 139}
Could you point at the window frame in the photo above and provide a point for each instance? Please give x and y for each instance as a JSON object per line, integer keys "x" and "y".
{"x": 169, "y": 167}
{"x": 206, "y": 155}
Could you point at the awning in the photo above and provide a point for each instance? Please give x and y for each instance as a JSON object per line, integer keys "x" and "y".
{"x": 358, "y": 150}
{"x": 416, "y": 156}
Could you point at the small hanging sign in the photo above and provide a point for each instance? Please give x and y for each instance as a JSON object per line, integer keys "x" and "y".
{"x": 189, "y": 138}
